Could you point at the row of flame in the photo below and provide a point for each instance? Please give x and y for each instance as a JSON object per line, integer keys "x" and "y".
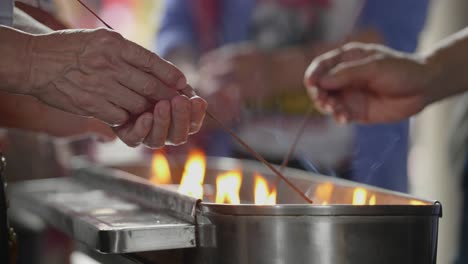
{"x": 228, "y": 184}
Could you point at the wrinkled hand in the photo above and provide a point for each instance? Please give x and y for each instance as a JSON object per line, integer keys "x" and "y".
{"x": 169, "y": 123}
{"x": 369, "y": 83}
{"x": 98, "y": 73}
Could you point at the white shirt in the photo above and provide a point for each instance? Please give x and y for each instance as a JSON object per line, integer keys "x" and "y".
{"x": 6, "y": 12}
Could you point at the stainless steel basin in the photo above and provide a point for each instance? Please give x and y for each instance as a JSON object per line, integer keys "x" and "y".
{"x": 397, "y": 229}
{"x": 321, "y": 234}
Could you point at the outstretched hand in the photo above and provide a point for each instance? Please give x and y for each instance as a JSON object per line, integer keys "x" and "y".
{"x": 370, "y": 83}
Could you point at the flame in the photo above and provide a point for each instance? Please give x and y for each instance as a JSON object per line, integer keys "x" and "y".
{"x": 324, "y": 192}
{"x": 160, "y": 170}
{"x": 373, "y": 200}
{"x": 262, "y": 195}
{"x": 228, "y": 187}
{"x": 194, "y": 174}
{"x": 359, "y": 196}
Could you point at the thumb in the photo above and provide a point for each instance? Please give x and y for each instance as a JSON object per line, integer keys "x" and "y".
{"x": 347, "y": 75}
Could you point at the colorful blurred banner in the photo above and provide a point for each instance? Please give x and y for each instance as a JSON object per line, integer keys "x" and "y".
{"x": 135, "y": 19}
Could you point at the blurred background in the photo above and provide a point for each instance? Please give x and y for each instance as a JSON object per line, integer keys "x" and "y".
{"x": 248, "y": 58}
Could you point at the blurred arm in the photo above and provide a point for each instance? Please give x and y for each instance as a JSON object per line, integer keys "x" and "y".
{"x": 176, "y": 39}
{"x": 450, "y": 62}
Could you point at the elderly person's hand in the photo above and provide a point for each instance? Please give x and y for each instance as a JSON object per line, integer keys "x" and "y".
{"x": 170, "y": 123}
{"x": 98, "y": 73}
{"x": 370, "y": 83}
{"x": 27, "y": 113}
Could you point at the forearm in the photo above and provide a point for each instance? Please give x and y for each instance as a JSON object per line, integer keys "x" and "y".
{"x": 15, "y": 62}
{"x": 27, "y": 113}
{"x": 449, "y": 64}
{"x": 22, "y": 112}
{"x": 24, "y": 22}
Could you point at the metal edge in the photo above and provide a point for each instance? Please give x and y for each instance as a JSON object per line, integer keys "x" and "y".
{"x": 226, "y": 163}
{"x": 90, "y": 170}
{"x": 321, "y": 210}
{"x": 89, "y": 231}
{"x": 435, "y": 233}
{"x": 56, "y": 218}
{"x": 136, "y": 188}
{"x": 118, "y": 244}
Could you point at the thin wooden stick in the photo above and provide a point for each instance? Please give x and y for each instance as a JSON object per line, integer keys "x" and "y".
{"x": 230, "y": 132}
{"x": 291, "y": 150}
{"x": 260, "y": 158}
{"x": 95, "y": 15}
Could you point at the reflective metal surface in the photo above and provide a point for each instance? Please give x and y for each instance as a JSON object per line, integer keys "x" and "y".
{"x": 100, "y": 219}
{"x": 399, "y": 228}
{"x": 319, "y": 239}
{"x": 137, "y": 189}
{"x": 115, "y": 212}
{"x": 322, "y": 210}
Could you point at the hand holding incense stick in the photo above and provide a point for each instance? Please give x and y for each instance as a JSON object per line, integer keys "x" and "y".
{"x": 231, "y": 133}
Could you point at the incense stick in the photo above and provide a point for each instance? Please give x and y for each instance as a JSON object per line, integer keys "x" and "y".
{"x": 95, "y": 15}
{"x": 230, "y": 132}
{"x": 292, "y": 149}
{"x": 260, "y": 158}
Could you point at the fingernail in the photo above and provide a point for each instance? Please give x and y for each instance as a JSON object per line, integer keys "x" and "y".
{"x": 181, "y": 83}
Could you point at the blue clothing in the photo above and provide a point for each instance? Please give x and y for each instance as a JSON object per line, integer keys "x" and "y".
{"x": 6, "y": 12}
{"x": 380, "y": 150}
{"x": 178, "y": 27}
